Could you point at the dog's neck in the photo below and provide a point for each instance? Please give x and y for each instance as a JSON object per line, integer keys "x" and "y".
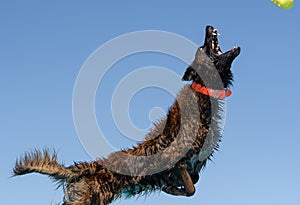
{"x": 217, "y": 94}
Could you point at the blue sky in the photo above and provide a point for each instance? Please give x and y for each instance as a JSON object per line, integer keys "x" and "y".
{"x": 44, "y": 45}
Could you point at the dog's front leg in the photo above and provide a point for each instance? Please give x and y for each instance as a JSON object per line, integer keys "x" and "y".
{"x": 186, "y": 178}
{"x": 173, "y": 190}
{"x": 186, "y": 182}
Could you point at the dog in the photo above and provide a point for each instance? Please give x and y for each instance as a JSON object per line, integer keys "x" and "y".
{"x": 172, "y": 154}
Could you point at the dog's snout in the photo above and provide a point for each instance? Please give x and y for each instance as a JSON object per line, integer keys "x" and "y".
{"x": 236, "y": 51}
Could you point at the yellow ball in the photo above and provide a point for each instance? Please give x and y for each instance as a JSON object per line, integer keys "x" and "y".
{"x": 285, "y": 4}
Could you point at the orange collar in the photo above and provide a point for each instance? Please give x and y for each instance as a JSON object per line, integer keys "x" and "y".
{"x": 217, "y": 94}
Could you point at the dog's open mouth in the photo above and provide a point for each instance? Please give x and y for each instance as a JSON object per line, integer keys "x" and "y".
{"x": 211, "y": 44}
{"x": 214, "y": 43}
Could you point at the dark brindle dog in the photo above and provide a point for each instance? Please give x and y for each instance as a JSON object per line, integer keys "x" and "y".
{"x": 172, "y": 154}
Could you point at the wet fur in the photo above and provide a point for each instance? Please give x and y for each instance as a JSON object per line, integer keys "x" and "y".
{"x": 175, "y": 145}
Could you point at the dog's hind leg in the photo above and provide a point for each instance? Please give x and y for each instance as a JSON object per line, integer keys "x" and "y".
{"x": 79, "y": 192}
{"x": 83, "y": 201}
{"x": 86, "y": 201}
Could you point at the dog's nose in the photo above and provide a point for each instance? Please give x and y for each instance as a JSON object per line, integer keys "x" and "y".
{"x": 209, "y": 28}
{"x": 236, "y": 51}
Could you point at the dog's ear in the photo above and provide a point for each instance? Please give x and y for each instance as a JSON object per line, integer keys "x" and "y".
{"x": 189, "y": 74}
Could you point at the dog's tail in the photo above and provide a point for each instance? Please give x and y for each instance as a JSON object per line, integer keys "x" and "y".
{"x": 42, "y": 162}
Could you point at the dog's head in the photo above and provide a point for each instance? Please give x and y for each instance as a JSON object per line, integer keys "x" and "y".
{"x": 211, "y": 65}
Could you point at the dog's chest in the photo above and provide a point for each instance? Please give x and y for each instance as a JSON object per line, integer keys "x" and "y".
{"x": 211, "y": 138}
{"x": 197, "y": 161}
